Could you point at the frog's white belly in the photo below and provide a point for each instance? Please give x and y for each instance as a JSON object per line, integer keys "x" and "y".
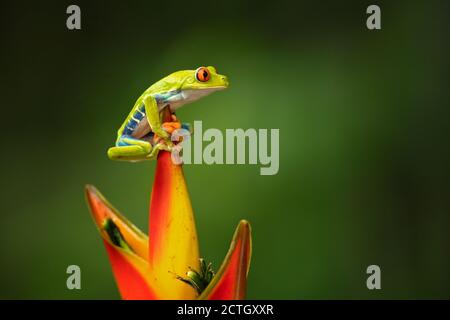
{"x": 178, "y": 98}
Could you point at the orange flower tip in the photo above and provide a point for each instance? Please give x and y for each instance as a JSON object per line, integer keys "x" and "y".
{"x": 230, "y": 282}
{"x": 88, "y": 188}
{"x": 104, "y": 221}
{"x": 244, "y": 227}
{"x": 244, "y": 223}
{"x": 244, "y": 232}
{"x": 96, "y": 203}
{"x": 91, "y": 192}
{"x": 114, "y": 227}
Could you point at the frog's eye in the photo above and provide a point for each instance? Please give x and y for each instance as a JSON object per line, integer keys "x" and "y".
{"x": 202, "y": 74}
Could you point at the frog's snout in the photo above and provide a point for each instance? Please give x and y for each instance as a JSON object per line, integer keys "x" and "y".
{"x": 224, "y": 80}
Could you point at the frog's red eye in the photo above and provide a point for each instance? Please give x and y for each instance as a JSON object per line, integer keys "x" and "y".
{"x": 202, "y": 74}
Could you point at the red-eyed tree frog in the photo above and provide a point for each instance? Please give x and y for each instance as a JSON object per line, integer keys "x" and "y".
{"x": 143, "y": 134}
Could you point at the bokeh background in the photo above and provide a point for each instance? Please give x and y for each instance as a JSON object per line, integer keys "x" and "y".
{"x": 364, "y": 153}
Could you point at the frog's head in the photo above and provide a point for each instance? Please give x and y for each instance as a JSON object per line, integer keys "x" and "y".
{"x": 192, "y": 85}
{"x": 204, "y": 79}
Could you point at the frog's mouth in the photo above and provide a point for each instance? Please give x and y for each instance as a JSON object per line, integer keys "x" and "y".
{"x": 191, "y": 95}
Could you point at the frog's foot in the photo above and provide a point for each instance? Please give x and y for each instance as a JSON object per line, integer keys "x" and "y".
{"x": 169, "y": 127}
{"x": 185, "y": 126}
{"x": 162, "y": 144}
{"x": 156, "y": 148}
{"x": 130, "y": 149}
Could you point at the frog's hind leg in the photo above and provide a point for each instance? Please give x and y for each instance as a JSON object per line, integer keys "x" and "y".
{"x": 130, "y": 149}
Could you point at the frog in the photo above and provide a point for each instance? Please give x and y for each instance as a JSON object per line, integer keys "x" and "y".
{"x": 143, "y": 133}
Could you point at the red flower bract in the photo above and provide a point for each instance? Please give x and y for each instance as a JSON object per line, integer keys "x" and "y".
{"x": 147, "y": 267}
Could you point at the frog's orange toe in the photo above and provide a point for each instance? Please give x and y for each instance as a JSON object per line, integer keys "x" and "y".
{"x": 167, "y": 127}
{"x": 171, "y": 126}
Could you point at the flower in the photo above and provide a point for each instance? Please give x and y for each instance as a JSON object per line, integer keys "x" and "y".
{"x": 153, "y": 267}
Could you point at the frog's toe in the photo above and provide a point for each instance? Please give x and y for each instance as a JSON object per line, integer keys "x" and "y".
{"x": 112, "y": 153}
{"x": 128, "y": 153}
{"x": 170, "y": 127}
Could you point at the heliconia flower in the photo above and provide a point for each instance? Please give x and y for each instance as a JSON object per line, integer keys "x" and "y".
{"x": 154, "y": 266}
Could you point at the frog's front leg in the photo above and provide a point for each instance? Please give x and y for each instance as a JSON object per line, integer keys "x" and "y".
{"x": 130, "y": 149}
{"x": 154, "y": 120}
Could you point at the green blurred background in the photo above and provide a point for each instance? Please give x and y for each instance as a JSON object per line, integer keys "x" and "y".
{"x": 364, "y": 126}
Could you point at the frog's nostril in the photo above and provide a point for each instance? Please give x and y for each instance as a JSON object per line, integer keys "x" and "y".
{"x": 224, "y": 81}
